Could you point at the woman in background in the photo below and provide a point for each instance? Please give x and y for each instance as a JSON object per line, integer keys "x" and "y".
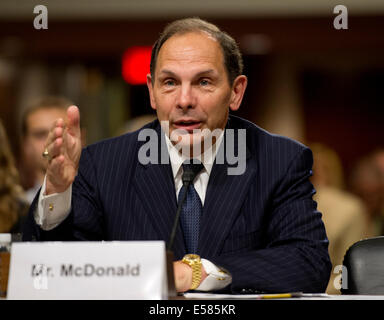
{"x": 13, "y": 207}
{"x": 344, "y": 214}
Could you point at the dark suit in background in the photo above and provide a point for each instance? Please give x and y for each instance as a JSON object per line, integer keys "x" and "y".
{"x": 262, "y": 226}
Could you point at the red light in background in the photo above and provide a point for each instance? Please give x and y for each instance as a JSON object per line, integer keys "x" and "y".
{"x": 135, "y": 64}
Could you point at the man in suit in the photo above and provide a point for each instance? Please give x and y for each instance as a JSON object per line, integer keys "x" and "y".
{"x": 258, "y": 231}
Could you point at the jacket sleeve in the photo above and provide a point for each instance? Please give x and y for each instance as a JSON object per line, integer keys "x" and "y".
{"x": 84, "y": 222}
{"x": 295, "y": 257}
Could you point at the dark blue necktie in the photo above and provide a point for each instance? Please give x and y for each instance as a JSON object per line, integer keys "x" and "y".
{"x": 192, "y": 208}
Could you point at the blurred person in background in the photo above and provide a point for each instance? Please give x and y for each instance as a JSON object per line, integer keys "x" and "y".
{"x": 37, "y": 120}
{"x": 136, "y": 123}
{"x": 344, "y": 214}
{"x": 378, "y": 157}
{"x": 367, "y": 181}
{"x": 13, "y": 207}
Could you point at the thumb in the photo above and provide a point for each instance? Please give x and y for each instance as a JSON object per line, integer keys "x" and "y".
{"x": 73, "y": 125}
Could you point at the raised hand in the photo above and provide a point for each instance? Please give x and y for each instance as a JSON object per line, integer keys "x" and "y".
{"x": 63, "y": 149}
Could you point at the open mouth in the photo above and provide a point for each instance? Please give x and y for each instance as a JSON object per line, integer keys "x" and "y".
{"x": 188, "y": 125}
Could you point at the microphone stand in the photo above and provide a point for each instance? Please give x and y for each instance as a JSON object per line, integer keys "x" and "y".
{"x": 189, "y": 175}
{"x": 170, "y": 256}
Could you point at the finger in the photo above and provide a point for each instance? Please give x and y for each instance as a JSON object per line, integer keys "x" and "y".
{"x": 58, "y": 175}
{"x": 54, "y": 142}
{"x": 56, "y": 166}
{"x": 55, "y": 148}
{"x": 73, "y": 123}
{"x": 55, "y": 171}
{"x": 59, "y": 122}
{"x": 56, "y": 131}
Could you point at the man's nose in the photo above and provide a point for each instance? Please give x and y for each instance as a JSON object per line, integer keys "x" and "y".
{"x": 186, "y": 99}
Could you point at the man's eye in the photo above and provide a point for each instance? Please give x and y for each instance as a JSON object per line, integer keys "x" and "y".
{"x": 169, "y": 83}
{"x": 204, "y": 82}
{"x": 40, "y": 135}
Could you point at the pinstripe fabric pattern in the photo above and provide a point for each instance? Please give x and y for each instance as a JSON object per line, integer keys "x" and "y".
{"x": 262, "y": 226}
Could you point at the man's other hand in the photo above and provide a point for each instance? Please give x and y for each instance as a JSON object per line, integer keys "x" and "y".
{"x": 183, "y": 276}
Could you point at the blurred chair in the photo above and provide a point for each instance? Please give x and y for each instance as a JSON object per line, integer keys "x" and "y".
{"x": 364, "y": 262}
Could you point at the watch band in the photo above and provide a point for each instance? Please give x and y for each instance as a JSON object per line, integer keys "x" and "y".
{"x": 194, "y": 261}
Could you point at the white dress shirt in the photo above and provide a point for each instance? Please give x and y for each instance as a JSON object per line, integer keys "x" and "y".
{"x": 54, "y": 208}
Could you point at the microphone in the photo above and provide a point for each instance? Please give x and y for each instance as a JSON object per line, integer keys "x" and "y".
{"x": 191, "y": 169}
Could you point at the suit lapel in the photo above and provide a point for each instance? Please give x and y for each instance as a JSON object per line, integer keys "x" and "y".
{"x": 224, "y": 197}
{"x": 156, "y": 189}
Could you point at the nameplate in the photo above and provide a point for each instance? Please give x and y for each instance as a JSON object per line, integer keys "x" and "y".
{"x": 88, "y": 270}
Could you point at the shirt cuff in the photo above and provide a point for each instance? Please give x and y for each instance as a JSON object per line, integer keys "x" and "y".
{"x": 217, "y": 278}
{"x": 52, "y": 209}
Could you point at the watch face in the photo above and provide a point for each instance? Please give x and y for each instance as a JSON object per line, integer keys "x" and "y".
{"x": 192, "y": 257}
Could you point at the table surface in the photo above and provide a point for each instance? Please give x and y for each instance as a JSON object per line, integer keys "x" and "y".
{"x": 304, "y": 296}
{"x": 325, "y": 298}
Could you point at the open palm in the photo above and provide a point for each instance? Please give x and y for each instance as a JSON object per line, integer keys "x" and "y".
{"x": 64, "y": 147}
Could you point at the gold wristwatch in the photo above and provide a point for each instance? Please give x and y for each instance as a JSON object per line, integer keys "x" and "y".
{"x": 194, "y": 261}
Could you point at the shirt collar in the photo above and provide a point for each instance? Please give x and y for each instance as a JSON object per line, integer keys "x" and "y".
{"x": 177, "y": 159}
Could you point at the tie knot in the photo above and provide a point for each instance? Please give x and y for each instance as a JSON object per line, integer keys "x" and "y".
{"x": 191, "y": 169}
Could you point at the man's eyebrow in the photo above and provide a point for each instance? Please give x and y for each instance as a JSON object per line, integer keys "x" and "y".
{"x": 166, "y": 72}
{"x": 206, "y": 72}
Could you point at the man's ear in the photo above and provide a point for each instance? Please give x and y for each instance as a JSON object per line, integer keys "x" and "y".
{"x": 150, "y": 89}
{"x": 237, "y": 94}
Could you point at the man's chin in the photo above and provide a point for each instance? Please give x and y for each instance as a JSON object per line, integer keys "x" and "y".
{"x": 186, "y": 140}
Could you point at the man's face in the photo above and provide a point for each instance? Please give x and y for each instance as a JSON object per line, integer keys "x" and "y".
{"x": 191, "y": 88}
{"x": 38, "y": 125}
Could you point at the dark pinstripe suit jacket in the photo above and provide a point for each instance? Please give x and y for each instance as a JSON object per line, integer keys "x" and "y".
{"x": 262, "y": 226}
